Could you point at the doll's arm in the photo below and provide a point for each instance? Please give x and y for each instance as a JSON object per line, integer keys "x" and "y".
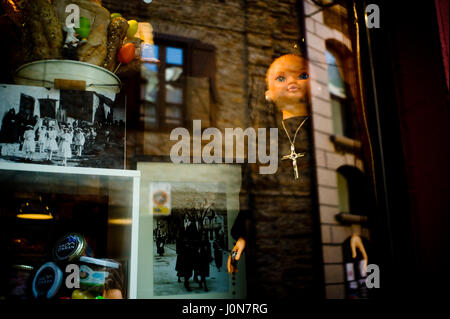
{"x": 356, "y": 242}
{"x": 238, "y": 248}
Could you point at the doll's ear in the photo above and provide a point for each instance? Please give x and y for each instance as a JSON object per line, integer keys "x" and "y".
{"x": 268, "y": 96}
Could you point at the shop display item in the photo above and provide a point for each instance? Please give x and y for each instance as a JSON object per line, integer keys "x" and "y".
{"x": 42, "y": 33}
{"x": 82, "y": 294}
{"x": 70, "y": 247}
{"x": 20, "y": 281}
{"x": 117, "y": 31}
{"x": 293, "y": 155}
{"x": 47, "y": 281}
{"x": 84, "y": 29}
{"x": 97, "y": 117}
{"x": 94, "y": 273}
{"x": 132, "y": 28}
{"x": 94, "y": 50}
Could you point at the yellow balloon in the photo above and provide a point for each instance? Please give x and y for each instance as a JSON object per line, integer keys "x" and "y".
{"x": 132, "y": 28}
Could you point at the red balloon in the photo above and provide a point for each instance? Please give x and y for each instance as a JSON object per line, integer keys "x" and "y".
{"x": 126, "y": 53}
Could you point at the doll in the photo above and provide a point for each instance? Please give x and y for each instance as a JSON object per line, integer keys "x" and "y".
{"x": 287, "y": 82}
{"x": 288, "y": 85}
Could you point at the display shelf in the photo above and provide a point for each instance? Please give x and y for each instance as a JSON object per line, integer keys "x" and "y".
{"x": 72, "y": 190}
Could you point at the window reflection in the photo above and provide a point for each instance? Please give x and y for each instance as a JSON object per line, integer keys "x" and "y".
{"x": 173, "y": 112}
{"x": 162, "y": 89}
{"x": 173, "y": 73}
{"x": 174, "y": 56}
{"x": 174, "y": 94}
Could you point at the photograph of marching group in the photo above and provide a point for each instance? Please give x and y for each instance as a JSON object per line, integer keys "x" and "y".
{"x": 61, "y": 127}
{"x": 191, "y": 244}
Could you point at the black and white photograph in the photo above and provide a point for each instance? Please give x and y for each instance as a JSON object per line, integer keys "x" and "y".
{"x": 190, "y": 248}
{"x": 62, "y": 127}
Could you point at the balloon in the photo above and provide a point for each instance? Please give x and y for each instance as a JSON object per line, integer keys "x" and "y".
{"x": 132, "y": 28}
{"x": 84, "y": 29}
{"x": 115, "y": 15}
{"x": 126, "y": 53}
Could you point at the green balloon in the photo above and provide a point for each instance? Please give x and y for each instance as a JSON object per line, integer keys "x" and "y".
{"x": 85, "y": 28}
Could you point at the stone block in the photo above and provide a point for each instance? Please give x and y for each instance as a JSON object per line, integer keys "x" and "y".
{"x": 328, "y": 213}
{"x": 335, "y": 160}
{"x": 340, "y": 233}
{"x": 322, "y": 31}
{"x": 335, "y": 291}
{"x": 328, "y": 196}
{"x": 321, "y": 106}
{"x": 319, "y": 89}
{"x": 320, "y": 158}
{"x": 326, "y": 234}
{"x": 323, "y": 124}
{"x": 317, "y": 58}
{"x": 334, "y": 274}
{"x": 315, "y": 42}
{"x": 318, "y": 74}
{"x": 323, "y": 142}
{"x": 332, "y": 254}
{"x": 326, "y": 177}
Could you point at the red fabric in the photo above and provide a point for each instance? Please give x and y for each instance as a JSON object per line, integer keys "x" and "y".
{"x": 442, "y": 16}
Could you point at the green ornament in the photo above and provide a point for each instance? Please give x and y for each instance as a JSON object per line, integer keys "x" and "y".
{"x": 84, "y": 29}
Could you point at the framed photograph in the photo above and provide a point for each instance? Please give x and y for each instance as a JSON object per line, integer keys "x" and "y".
{"x": 62, "y": 127}
{"x": 183, "y": 250}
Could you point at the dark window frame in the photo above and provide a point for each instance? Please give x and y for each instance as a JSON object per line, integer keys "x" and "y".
{"x": 163, "y": 41}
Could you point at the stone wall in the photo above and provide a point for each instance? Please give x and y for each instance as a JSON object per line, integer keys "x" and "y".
{"x": 329, "y": 24}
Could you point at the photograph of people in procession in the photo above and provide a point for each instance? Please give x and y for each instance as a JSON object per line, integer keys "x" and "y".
{"x": 61, "y": 127}
{"x": 191, "y": 246}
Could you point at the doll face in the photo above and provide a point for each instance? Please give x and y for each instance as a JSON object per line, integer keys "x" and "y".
{"x": 287, "y": 80}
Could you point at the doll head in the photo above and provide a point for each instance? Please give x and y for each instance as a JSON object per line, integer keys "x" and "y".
{"x": 287, "y": 81}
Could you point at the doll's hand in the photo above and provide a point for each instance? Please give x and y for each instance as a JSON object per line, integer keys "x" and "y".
{"x": 356, "y": 242}
{"x": 238, "y": 248}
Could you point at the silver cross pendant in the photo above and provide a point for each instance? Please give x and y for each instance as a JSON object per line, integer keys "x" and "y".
{"x": 293, "y": 157}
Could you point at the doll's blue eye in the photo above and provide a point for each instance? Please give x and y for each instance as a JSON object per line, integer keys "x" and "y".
{"x": 303, "y": 76}
{"x": 281, "y": 78}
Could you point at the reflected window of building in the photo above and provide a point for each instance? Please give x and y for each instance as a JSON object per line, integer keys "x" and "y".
{"x": 163, "y": 86}
{"x": 353, "y": 191}
{"x": 340, "y": 70}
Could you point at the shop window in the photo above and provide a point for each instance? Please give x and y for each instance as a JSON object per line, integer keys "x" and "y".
{"x": 180, "y": 88}
{"x": 352, "y": 191}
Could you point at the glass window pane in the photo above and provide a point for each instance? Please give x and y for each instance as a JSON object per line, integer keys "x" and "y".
{"x": 174, "y": 121}
{"x": 337, "y": 109}
{"x": 150, "y": 51}
{"x": 336, "y": 84}
{"x": 150, "y": 116}
{"x": 149, "y": 90}
{"x": 174, "y": 56}
{"x": 173, "y": 112}
{"x": 173, "y": 73}
{"x": 344, "y": 205}
{"x": 174, "y": 94}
